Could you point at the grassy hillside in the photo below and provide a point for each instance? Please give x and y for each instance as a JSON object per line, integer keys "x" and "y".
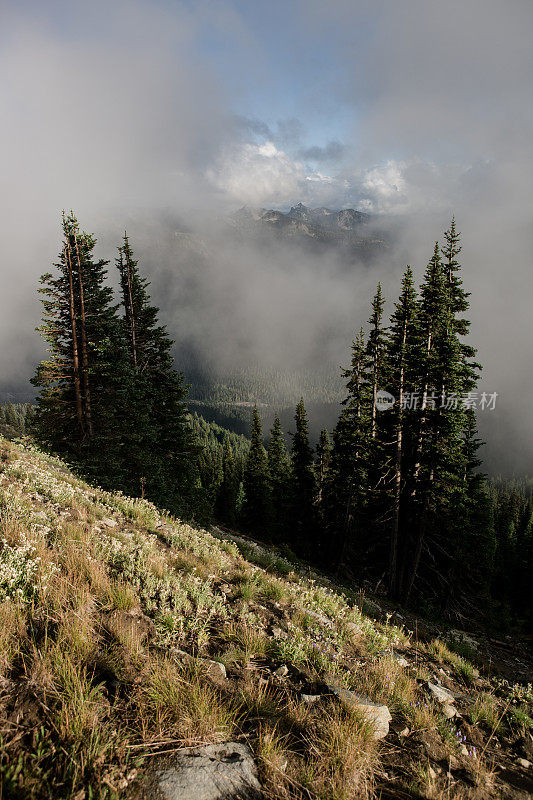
{"x": 126, "y": 635}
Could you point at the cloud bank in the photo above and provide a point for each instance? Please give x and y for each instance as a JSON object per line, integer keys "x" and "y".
{"x": 145, "y": 113}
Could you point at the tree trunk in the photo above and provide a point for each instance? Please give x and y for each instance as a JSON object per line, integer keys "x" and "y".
{"x": 393, "y": 559}
{"x": 85, "y": 361}
{"x": 75, "y": 357}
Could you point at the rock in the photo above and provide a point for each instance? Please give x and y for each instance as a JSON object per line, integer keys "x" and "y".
{"x": 217, "y": 669}
{"x": 432, "y": 774}
{"x": 452, "y": 763}
{"x": 449, "y": 711}
{"x": 461, "y": 637}
{"x": 310, "y": 698}
{"x": 108, "y": 522}
{"x": 400, "y": 729}
{"x": 369, "y": 607}
{"x": 441, "y": 694}
{"x": 354, "y": 628}
{"x": 276, "y": 632}
{"x": 375, "y": 713}
{"x": 319, "y": 617}
{"x": 213, "y": 772}
{"x": 282, "y": 671}
{"x": 181, "y": 655}
{"x": 523, "y": 762}
{"x": 129, "y": 623}
{"x": 464, "y": 750}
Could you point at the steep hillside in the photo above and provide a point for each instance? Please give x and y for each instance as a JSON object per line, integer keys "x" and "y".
{"x": 143, "y": 658}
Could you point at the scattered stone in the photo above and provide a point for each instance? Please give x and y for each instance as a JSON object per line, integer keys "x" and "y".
{"x": 217, "y": 669}
{"x": 440, "y": 693}
{"x": 452, "y": 763}
{"x": 461, "y": 637}
{"x": 282, "y": 671}
{"x": 369, "y": 607}
{"x": 375, "y": 713}
{"x": 181, "y": 655}
{"x": 134, "y": 623}
{"x": 320, "y": 617}
{"x": 523, "y": 762}
{"x": 400, "y": 729}
{"x": 354, "y": 628}
{"x": 214, "y": 772}
{"x": 310, "y": 698}
{"x": 403, "y": 662}
{"x": 449, "y": 711}
{"x": 109, "y": 522}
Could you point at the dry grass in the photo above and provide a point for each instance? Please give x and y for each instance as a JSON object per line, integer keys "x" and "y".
{"x": 179, "y": 704}
{"x": 389, "y": 683}
{"x": 88, "y": 644}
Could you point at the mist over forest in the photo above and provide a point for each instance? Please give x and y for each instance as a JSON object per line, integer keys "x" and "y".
{"x": 174, "y": 145}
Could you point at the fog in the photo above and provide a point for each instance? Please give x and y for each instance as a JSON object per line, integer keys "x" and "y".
{"x": 145, "y": 115}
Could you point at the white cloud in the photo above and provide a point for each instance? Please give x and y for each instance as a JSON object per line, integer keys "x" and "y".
{"x": 263, "y": 174}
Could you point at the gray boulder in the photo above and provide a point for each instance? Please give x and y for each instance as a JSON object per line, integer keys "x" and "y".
{"x": 378, "y": 715}
{"x": 441, "y": 694}
{"x": 214, "y": 772}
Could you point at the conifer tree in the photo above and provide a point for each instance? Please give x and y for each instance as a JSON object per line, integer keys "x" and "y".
{"x": 402, "y": 334}
{"x": 346, "y": 495}
{"x": 225, "y": 507}
{"x": 279, "y": 471}
{"x": 84, "y": 384}
{"x": 165, "y": 445}
{"x": 322, "y": 462}
{"x": 375, "y": 354}
{"x": 303, "y": 484}
{"x": 256, "y": 512}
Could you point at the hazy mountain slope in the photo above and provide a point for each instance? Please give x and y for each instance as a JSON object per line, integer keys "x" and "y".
{"x": 126, "y": 635}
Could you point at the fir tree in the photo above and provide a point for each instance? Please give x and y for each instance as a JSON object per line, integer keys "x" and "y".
{"x": 228, "y": 489}
{"x": 375, "y": 354}
{"x": 346, "y": 489}
{"x": 164, "y": 443}
{"x": 303, "y": 484}
{"x": 402, "y": 334}
{"x": 256, "y": 513}
{"x": 84, "y": 384}
{"x": 322, "y": 462}
{"x": 279, "y": 471}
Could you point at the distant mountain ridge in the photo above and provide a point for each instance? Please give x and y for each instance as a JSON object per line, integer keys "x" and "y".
{"x": 302, "y": 218}
{"x": 340, "y": 226}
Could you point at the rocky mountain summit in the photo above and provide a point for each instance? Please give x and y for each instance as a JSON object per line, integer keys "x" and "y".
{"x": 358, "y": 234}
{"x": 144, "y": 658}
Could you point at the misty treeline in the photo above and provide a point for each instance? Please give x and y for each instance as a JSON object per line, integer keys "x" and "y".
{"x": 394, "y": 496}
{"x": 397, "y": 498}
{"x": 16, "y": 419}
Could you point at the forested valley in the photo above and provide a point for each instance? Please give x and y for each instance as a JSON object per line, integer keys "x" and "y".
{"x": 392, "y": 497}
